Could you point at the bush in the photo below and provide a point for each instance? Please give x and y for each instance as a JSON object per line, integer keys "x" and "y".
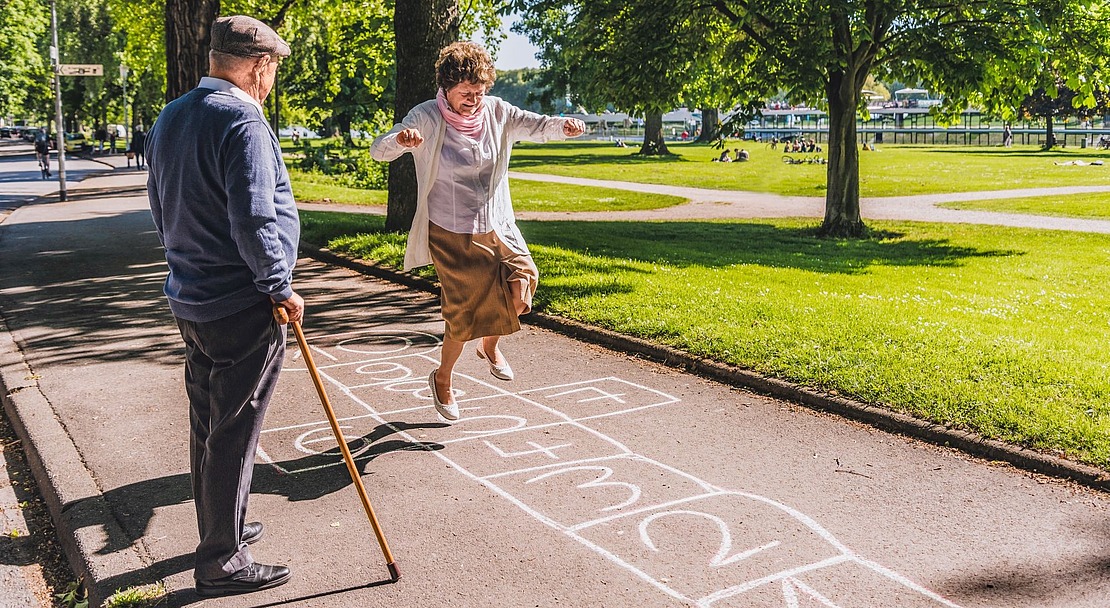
{"x": 351, "y": 167}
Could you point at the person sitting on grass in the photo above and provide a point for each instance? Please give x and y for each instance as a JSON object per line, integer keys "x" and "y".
{"x": 724, "y": 158}
{"x": 742, "y": 156}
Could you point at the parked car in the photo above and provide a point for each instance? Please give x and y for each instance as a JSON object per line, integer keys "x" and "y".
{"x": 28, "y": 134}
{"x": 77, "y": 142}
{"x": 6, "y": 132}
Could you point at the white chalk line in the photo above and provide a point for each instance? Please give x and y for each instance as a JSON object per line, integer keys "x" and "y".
{"x": 633, "y": 513}
{"x": 571, "y": 531}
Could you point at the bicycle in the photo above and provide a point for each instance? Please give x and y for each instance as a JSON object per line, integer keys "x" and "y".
{"x": 44, "y": 164}
{"x": 804, "y": 160}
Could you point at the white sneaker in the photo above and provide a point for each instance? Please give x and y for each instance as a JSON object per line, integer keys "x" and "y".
{"x": 501, "y": 372}
{"x": 448, "y": 412}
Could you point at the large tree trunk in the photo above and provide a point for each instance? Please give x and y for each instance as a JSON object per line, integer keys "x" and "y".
{"x": 188, "y": 32}
{"x": 653, "y": 134}
{"x": 1049, "y": 134}
{"x": 421, "y": 28}
{"x": 842, "y": 216}
{"x": 710, "y": 125}
{"x": 343, "y": 125}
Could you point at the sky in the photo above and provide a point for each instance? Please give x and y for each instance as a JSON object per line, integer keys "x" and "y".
{"x": 515, "y": 52}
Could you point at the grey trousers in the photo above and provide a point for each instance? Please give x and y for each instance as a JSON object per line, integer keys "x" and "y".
{"x": 231, "y": 368}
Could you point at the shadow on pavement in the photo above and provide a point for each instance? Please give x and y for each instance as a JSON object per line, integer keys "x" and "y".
{"x": 186, "y": 597}
{"x": 87, "y": 194}
{"x": 70, "y": 295}
{"x": 137, "y": 502}
{"x": 1028, "y": 581}
{"x": 88, "y": 291}
{"x": 69, "y": 291}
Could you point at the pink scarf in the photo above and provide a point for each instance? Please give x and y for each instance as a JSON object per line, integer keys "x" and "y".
{"x": 470, "y": 126}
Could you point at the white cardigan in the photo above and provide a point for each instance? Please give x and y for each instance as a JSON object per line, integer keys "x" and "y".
{"x": 508, "y": 123}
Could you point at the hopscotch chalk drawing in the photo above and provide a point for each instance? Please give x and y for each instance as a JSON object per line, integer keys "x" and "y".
{"x": 535, "y": 449}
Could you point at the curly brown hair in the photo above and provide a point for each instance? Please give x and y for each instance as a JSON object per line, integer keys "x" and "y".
{"x": 464, "y": 62}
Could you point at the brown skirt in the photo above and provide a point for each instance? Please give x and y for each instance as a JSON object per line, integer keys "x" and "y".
{"x": 475, "y": 271}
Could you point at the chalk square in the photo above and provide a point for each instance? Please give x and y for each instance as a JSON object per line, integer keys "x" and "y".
{"x": 716, "y": 546}
{"x": 599, "y": 397}
{"x": 528, "y": 448}
{"x": 851, "y": 584}
{"x": 486, "y": 411}
{"x": 311, "y": 445}
{"x": 587, "y": 493}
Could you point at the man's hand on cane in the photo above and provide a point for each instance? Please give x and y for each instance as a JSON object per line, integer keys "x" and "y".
{"x": 294, "y": 307}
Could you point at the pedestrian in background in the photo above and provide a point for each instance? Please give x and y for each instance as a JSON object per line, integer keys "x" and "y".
{"x": 221, "y": 201}
{"x": 101, "y": 136}
{"x": 464, "y": 223}
{"x": 138, "y": 146}
{"x": 42, "y": 151}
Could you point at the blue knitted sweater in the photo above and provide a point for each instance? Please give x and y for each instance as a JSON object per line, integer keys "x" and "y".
{"x": 220, "y": 196}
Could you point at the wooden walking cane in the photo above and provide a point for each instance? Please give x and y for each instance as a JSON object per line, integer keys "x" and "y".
{"x": 283, "y": 317}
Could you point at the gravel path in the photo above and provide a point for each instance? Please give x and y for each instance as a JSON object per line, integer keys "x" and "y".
{"x": 704, "y": 203}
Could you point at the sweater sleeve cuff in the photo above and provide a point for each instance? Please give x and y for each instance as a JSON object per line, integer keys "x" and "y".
{"x": 283, "y": 295}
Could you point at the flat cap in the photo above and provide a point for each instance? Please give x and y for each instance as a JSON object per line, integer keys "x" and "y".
{"x": 246, "y": 37}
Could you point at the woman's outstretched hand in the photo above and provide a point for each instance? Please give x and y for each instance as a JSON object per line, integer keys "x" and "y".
{"x": 410, "y": 138}
{"x": 572, "y": 127}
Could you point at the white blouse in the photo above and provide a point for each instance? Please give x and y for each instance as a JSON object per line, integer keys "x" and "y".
{"x": 505, "y": 125}
{"x": 459, "y": 200}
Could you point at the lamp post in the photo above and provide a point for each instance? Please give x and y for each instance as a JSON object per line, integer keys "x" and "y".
{"x": 54, "y": 60}
{"x": 123, "y": 71}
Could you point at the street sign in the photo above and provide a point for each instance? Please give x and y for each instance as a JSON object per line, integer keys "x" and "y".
{"x": 80, "y": 69}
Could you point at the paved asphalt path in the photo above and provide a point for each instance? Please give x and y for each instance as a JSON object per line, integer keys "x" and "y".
{"x": 593, "y": 479}
{"x": 20, "y": 177}
{"x": 704, "y": 203}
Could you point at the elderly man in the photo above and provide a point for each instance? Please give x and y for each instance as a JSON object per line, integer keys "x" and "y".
{"x": 220, "y": 197}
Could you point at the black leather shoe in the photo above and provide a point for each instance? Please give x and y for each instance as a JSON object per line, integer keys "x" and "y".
{"x": 254, "y": 577}
{"x": 252, "y": 532}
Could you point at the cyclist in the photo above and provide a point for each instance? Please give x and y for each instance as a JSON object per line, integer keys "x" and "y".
{"x": 42, "y": 151}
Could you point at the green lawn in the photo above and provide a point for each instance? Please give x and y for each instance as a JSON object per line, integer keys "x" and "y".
{"x": 891, "y": 171}
{"x": 1093, "y": 206}
{"x": 546, "y": 196}
{"x": 527, "y": 195}
{"x": 984, "y": 328}
{"x": 316, "y": 188}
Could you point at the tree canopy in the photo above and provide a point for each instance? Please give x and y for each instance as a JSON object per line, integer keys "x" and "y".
{"x": 341, "y": 73}
{"x": 644, "y": 56}
{"x": 610, "y": 52}
{"x": 24, "y": 67}
{"x": 638, "y": 53}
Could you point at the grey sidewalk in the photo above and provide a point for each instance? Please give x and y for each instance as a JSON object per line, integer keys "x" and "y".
{"x": 594, "y": 479}
{"x": 22, "y": 545}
